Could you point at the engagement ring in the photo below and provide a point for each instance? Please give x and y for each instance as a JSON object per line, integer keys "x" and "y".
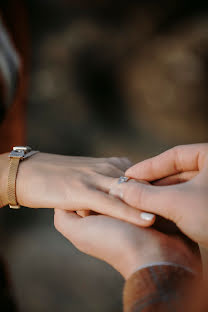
{"x": 123, "y": 179}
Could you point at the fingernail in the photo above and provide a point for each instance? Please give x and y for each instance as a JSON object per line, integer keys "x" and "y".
{"x": 147, "y": 216}
{"x": 116, "y": 191}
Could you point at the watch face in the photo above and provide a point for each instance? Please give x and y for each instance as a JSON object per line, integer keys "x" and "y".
{"x": 22, "y": 152}
{"x": 22, "y": 148}
{"x": 17, "y": 154}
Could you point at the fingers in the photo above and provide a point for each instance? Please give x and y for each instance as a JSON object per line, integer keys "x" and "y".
{"x": 160, "y": 200}
{"x": 176, "y": 178}
{"x": 147, "y": 219}
{"x": 111, "y": 206}
{"x": 105, "y": 183}
{"x": 176, "y": 160}
{"x": 99, "y": 201}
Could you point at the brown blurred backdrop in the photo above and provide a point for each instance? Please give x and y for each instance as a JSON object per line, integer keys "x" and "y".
{"x": 108, "y": 78}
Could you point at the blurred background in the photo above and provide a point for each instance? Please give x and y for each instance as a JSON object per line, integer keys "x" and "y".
{"x": 107, "y": 78}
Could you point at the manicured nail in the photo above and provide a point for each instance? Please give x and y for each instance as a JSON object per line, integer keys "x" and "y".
{"x": 116, "y": 191}
{"x": 147, "y": 216}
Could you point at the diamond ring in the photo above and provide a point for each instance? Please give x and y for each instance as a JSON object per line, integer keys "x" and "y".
{"x": 123, "y": 180}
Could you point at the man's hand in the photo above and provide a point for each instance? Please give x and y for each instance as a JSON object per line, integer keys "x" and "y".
{"x": 186, "y": 204}
{"x": 124, "y": 246}
{"x": 177, "y": 165}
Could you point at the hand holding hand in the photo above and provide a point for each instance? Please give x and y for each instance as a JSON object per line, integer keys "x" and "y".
{"x": 124, "y": 246}
{"x": 185, "y": 204}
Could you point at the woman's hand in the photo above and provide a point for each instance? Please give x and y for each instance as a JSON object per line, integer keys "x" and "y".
{"x": 185, "y": 204}
{"x": 124, "y": 246}
{"x": 73, "y": 183}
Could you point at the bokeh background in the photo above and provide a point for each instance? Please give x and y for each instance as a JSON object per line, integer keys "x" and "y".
{"x": 107, "y": 78}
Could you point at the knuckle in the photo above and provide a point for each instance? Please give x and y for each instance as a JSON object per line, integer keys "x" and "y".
{"x": 126, "y": 159}
{"x": 176, "y": 149}
{"x": 114, "y": 159}
{"x": 110, "y": 168}
{"x": 132, "y": 195}
{"x": 139, "y": 198}
{"x": 105, "y": 165}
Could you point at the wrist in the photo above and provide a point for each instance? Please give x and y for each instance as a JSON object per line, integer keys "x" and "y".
{"x": 4, "y": 171}
{"x": 131, "y": 261}
{"x": 136, "y": 264}
{"x": 160, "y": 251}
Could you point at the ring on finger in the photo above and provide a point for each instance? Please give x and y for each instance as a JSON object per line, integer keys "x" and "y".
{"x": 123, "y": 180}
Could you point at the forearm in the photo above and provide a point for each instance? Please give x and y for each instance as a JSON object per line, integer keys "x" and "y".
{"x": 157, "y": 288}
{"x": 4, "y": 168}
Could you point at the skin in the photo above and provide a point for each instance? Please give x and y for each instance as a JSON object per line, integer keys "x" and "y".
{"x": 124, "y": 246}
{"x": 70, "y": 183}
{"x": 180, "y": 193}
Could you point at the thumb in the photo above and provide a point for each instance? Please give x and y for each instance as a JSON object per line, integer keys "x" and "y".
{"x": 160, "y": 200}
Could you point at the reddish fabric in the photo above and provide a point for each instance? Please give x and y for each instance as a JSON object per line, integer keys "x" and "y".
{"x": 12, "y": 129}
{"x": 2, "y": 89}
{"x": 157, "y": 289}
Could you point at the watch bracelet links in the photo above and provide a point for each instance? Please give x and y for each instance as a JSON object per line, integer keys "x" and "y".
{"x": 19, "y": 153}
{"x": 12, "y": 178}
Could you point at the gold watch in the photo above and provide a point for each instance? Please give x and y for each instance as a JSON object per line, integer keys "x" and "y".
{"x": 18, "y": 154}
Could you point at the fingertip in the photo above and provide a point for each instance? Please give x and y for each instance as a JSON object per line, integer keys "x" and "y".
{"x": 149, "y": 218}
{"x": 145, "y": 219}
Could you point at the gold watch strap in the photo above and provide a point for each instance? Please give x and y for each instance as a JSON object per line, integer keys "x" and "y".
{"x": 12, "y": 178}
{"x": 19, "y": 153}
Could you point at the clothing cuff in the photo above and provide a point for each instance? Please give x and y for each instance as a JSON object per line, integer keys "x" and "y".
{"x": 166, "y": 263}
{"x": 157, "y": 285}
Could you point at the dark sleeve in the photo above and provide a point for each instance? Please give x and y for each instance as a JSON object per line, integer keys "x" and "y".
{"x": 159, "y": 288}
{"x": 9, "y": 69}
{"x": 14, "y": 56}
